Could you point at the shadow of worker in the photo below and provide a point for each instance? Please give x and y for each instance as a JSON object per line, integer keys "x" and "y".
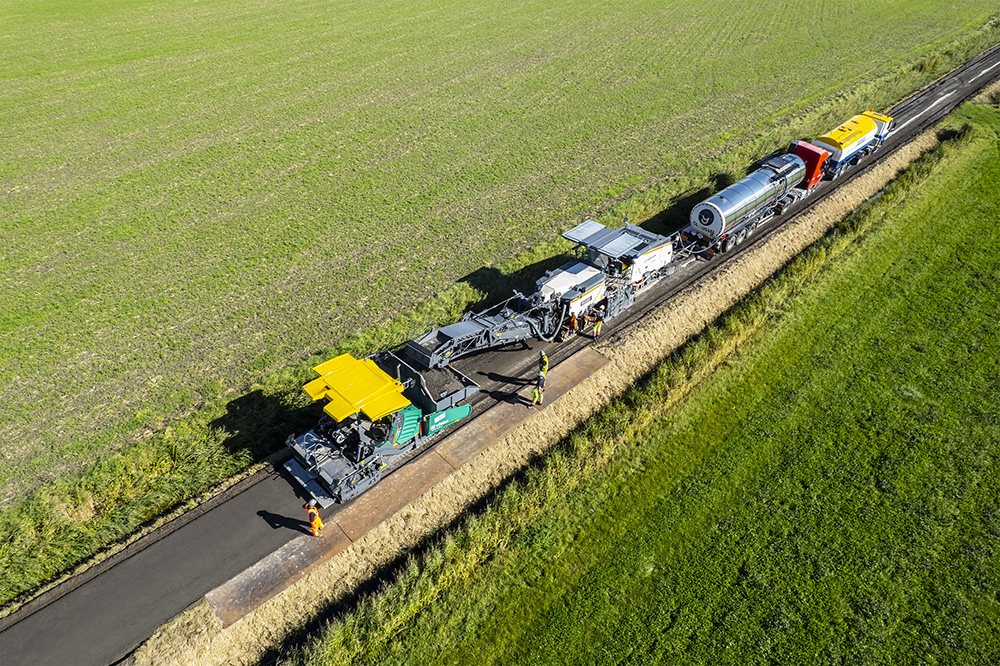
{"x": 276, "y": 522}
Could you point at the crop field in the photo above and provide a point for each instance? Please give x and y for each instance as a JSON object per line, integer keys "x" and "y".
{"x": 830, "y": 495}
{"x": 197, "y": 192}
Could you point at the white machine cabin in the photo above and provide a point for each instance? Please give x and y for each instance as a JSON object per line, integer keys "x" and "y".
{"x": 581, "y": 283}
{"x": 630, "y": 251}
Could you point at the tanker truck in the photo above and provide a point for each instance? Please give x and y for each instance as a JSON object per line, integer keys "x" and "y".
{"x": 726, "y": 219}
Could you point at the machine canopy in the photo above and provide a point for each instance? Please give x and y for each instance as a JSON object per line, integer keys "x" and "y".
{"x": 354, "y": 386}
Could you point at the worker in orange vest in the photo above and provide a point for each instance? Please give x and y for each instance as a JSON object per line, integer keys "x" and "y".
{"x": 314, "y": 520}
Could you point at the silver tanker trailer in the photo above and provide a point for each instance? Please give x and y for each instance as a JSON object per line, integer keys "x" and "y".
{"x": 726, "y": 219}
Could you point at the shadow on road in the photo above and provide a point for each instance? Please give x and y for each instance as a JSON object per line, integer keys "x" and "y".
{"x": 277, "y": 521}
{"x": 504, "y": 379}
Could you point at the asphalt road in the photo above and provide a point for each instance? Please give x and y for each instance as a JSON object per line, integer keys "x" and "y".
{"x": 102, "y": 618}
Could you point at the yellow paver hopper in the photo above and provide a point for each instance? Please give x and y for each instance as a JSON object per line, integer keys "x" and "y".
{"x": 378, "y": 409}
{"x": 352, "y": 386}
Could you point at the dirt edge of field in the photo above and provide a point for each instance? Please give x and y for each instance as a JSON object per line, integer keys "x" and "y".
{"x": 196, "y": 636}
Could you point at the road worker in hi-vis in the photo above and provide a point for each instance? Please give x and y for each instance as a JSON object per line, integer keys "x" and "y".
{"x": 598, "y": 321}
{"x": 315, "y": 522}
{"x": 537, "y": 395}
{"x": 543, "y": 363}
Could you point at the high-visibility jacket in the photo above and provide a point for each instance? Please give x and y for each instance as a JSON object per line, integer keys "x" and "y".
{"x": 315, "y": 522}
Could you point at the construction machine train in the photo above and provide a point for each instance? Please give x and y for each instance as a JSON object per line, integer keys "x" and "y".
{"x": 394, "y": 402}
{"x": 726, "y": 219}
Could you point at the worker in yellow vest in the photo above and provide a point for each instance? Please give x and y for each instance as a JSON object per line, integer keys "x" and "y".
{"x": 598, "y": 321}
{"x": 537, "y": 395}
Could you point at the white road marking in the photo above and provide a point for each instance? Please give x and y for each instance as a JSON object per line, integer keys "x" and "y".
{"x": 984, "y": 71}
{"x": 933, "y": 104}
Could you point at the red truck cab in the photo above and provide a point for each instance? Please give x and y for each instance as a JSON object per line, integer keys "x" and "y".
{"x": 814, "y": 158}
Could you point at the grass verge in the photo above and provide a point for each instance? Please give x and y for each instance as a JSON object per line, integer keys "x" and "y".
{"x": 829, "y": 495}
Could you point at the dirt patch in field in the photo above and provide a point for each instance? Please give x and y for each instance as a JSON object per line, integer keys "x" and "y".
{"x": 196, "y": 636}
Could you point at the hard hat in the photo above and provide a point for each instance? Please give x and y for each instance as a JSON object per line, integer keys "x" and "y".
{"x": 311, "y": 503}
{"x": 541, "y": 353}
{"x": 541, "y": 374}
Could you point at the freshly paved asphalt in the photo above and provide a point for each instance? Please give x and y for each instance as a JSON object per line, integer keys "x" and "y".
{"x": 102, "y": 620}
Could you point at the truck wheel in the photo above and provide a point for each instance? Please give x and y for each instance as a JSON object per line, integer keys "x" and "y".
{"x": 729, "y": 244}
{"x": 740, "y": 237}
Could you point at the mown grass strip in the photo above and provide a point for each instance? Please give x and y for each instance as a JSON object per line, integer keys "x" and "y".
{"x": 830, "y": 494}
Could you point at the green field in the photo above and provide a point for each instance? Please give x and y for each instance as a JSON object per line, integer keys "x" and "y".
{"x": 197, "y": 192}
{"x": 831, "y": 494}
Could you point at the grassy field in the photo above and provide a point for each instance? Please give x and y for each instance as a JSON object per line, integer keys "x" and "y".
{"x": 829, "y": 495}
{"x": 197, "y": 193}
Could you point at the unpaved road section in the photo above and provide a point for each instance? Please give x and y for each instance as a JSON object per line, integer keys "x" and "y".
{"x": 103, "y": 620}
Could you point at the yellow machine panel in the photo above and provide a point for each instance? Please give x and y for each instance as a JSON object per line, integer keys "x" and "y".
{"x": 847, "y": 134}
{"x": 878, "y": 116}
{"x": 354, "y": 386}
